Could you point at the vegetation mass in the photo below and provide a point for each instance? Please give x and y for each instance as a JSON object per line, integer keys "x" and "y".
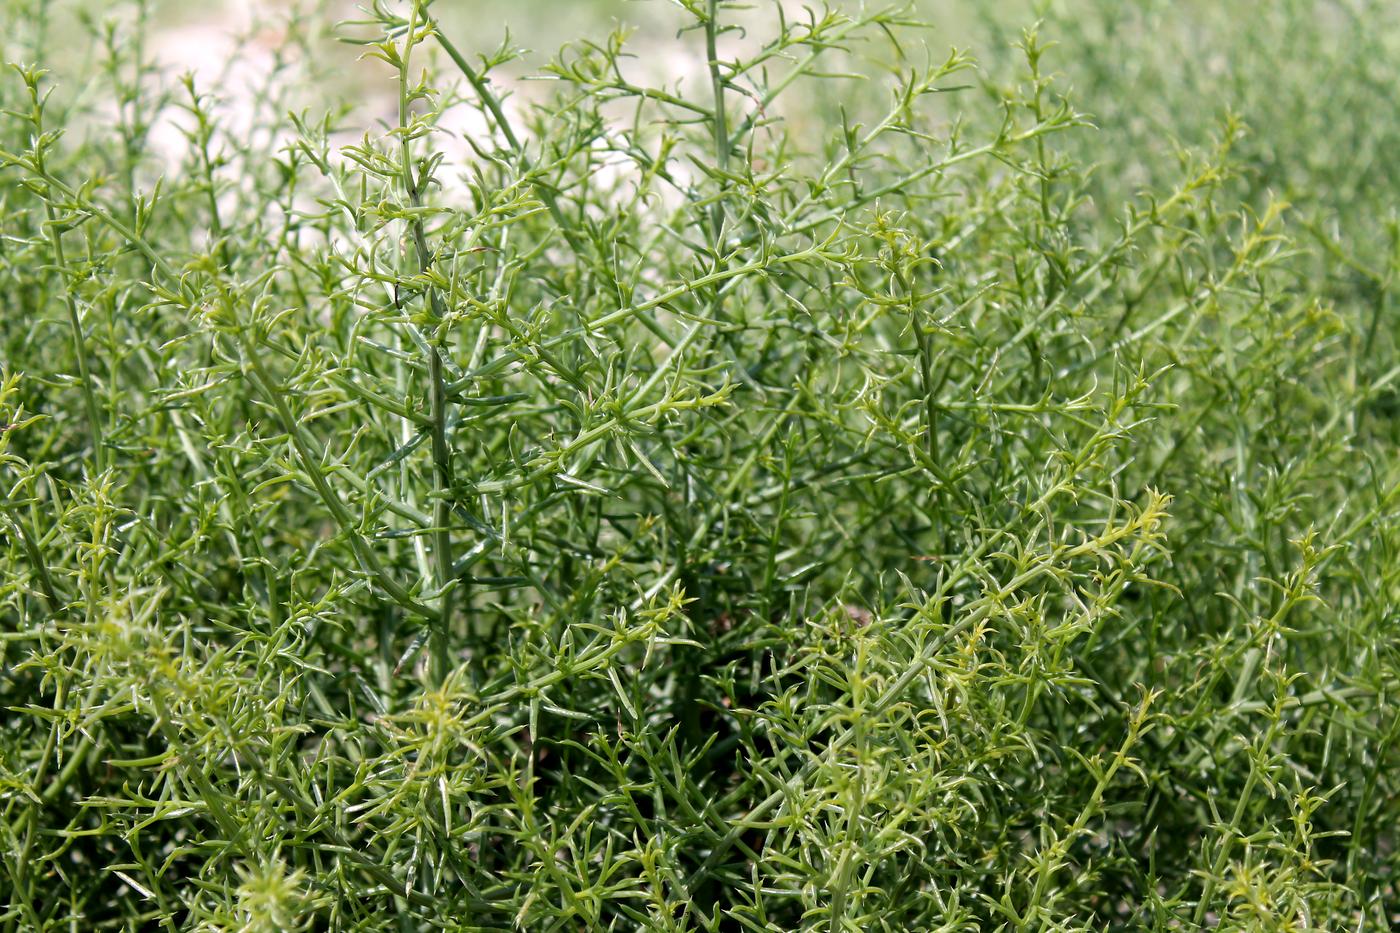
{"x": 792, "y": 481}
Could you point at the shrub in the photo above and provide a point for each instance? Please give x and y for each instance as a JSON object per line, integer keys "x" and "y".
{"x": 804, "y": 495}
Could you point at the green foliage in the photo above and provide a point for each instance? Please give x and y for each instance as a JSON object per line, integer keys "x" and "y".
{"x": 820, "y": 493}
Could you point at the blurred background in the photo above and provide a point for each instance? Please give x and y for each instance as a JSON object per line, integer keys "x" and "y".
{"x": 1311, "y": 82}
{"x": 1310, "y": 78}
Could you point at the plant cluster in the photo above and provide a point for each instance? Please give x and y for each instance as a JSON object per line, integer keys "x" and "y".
{"x": 825, "y": 491}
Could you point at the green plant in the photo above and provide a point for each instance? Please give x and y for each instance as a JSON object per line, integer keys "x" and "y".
{"x": 799, "y": 496}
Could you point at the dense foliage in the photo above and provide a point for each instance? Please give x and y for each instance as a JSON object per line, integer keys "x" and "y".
{"x": 779, "y": 480}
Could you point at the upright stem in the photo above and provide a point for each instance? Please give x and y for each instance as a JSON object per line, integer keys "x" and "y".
{"x": 720, "y": 123}
{"x": 439, "y": 653}
{"x": 94, "y": 417}
{"x": 440, "y": 656}
{"x": 55, "y": 237}
{"x": 719, "y": 126}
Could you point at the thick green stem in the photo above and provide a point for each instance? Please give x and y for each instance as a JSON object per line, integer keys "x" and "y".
{"x": 75, "y": 322}
{"x": 720, "y": 124}
{"x": 440, "y": 641}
